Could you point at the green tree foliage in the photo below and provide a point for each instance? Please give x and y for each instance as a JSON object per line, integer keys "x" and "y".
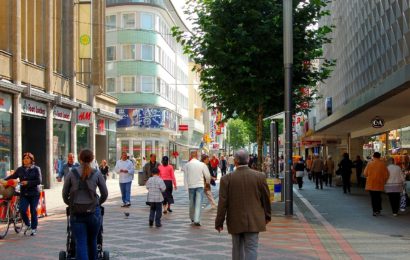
{"x": 238, "y": 134}
{"x": 238, "y": 45}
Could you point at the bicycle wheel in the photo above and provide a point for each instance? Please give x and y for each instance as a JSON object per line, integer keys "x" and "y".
{"x": 17, "y": 221}
{"x": 4, "y": 219}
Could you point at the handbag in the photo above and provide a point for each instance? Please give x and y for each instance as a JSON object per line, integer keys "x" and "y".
{"x": 339, "y": 171}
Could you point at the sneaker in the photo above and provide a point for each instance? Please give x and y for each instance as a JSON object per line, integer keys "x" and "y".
{"x": 165, "y": 212}
{"x": 27, "y": 230}
{"x": 33, "y": 232}
{"x": 395, "y": 215}
{"x": 169, "y": 210}
{"x": 127, "y": 205}
{"x": 123, "y": 205}
{"x": 197, "y": 224}
{"x": 158, "y": 225}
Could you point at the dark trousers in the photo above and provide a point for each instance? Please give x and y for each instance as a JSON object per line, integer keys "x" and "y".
{"x": 300, "y": 181}
{"x": 346, "y": 183}
{"x": 223, "y": 171}
{"x": 359, "y": 179}
{"x": 394, "y": 198}
{"x": 327, "y": 178}
{"x": 376, "y": 198}
{"x": 31, "y": 201}
{"x": 155, "y": 212}
{"x": 318, "y": 179}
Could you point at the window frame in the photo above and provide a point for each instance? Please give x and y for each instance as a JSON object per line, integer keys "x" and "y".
{"x": 115, "y": 53}
{"x": 142, "y": 14}
{"x": 153, "y": 84}
{"x": 123, "y": 21}
{"x": 115, "y": 84}
{"x": 152, "y": 52}
{"x": 122, "y": 52}
{"x": 108, "y": 27}
{"x": 122, "y": 83}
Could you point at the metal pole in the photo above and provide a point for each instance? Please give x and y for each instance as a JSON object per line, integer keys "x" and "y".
{"x": 288, "y": 63}
{"x": 274, "y": 148}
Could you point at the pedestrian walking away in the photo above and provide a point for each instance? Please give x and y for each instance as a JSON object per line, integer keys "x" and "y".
{"x": 207, "y": 185}
{"x": 125, "y": 169}
{"x": 358, "y": 165}
{"x": 317, "y": 171}
{"x": 104, "y": 169}
{"x": 79, "y": 193}
{"x": 377, "y": 174}
{"x": 345, "y": 167}
{"x": 30, "y": 177}
{"x": 155, "y": 186}
{"x": 66, "y": 168}
{"x": 166, "y": 173}
{"x": 244, "y": 202}
{"x": 231, "y": 163}
{"x": 394, "y": 186}
{"x": 328, "y": 172}
{"x": 299, "y": 171}
{"x": 194, "y": 174}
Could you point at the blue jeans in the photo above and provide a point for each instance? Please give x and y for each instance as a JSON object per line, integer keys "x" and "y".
{"x": 155, "y": 212}
{"x": 31, "y": 201}
{"x": 126, "y": 192}
{"x": 195, "y": 203}
{"x": 231, "y": 167}
{"x": 245, "y": 246}
{"x": 85, "y": 231}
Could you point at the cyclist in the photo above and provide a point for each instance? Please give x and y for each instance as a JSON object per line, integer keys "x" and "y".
{"x": 30, "y": 177}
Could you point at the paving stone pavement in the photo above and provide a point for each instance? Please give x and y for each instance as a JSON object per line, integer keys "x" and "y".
{"x": 131, "y": 237}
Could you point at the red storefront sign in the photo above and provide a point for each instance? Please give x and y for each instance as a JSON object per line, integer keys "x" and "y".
{"x": 183, "y": 127}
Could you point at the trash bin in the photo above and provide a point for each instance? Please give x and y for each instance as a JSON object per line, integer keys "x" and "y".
{"x": 141, "y": 181}
{"x": 278, "y": 189}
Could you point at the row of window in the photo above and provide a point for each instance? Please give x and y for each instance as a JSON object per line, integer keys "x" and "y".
{"x": 146, "y": 84}
{"x": 146, "y": 53}
{"x": 147, "y": 21}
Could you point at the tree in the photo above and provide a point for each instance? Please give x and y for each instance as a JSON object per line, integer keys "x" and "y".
{"x": 238, "y": 134}
{"x": 239, "y": 49}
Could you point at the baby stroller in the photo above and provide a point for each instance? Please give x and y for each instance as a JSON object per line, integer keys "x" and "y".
{"x": 69, "y": 254}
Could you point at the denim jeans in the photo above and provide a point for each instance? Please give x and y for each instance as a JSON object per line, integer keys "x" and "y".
{"x": 195, "y": 203}
{"x": 85, "y": 231}
{"x": 245, "y": 246}
{"x": 126, "y": 192}
{"x": 155, "y": 212}
{"x": 31, "y": 201}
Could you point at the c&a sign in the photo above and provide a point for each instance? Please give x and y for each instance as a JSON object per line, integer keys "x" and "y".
{"x": 84, "y": 116}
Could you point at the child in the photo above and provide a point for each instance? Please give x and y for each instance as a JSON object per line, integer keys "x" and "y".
{"x": 155, "y": 186}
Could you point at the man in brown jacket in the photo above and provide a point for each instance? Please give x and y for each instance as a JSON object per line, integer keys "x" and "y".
{"x": 377, "y": 174}
{"x": 244, "y": 200}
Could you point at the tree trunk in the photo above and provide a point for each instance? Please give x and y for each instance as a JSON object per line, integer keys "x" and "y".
{"x": 259, "y": 136}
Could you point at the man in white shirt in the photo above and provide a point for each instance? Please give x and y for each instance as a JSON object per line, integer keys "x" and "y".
{"x": 125, "y": 169}
{"x": 194, "y": 174}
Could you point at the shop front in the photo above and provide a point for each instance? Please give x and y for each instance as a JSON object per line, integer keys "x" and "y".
{"x": 105, "y": 140}
{"x": 6, "y": 134}
{"x": 84, "y": 119}
{"x": 33, "y": 132}
{"x": 61, "y": 136}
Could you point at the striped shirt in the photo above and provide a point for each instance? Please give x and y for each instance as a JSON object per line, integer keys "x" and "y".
{"x": 155, "y": 186}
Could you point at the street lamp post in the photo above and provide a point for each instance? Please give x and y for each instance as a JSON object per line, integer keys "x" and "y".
{"x": 288, "y": 66}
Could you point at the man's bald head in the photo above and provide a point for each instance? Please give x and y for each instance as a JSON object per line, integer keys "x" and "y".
{"x": 194, "y": 154}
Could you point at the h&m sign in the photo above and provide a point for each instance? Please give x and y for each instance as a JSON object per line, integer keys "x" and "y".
{"x": 84, "y": 116}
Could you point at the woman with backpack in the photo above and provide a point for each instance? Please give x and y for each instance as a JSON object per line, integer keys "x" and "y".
{"x": 79, "y": 193}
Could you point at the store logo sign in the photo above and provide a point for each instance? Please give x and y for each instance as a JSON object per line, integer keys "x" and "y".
{"x": 34, "y": 108}
{"x": 5, "y": 103}
{"x": 84, "y": 116}
{"x": 62, "y": 114}
{"x": 377, "y": 122}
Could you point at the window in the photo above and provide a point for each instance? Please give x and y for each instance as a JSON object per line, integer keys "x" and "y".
{"x": 110, "y": 22}
{"x": 147, "y": 52}
{"x": 147, "y": 21}
{"x": 110, "y": 84}
{"x": 128, "y": 84}
{"x": 111, "y": 53}
{"x": 128, "y": 20}
{"x": 147, "y": 84}
{"x": 128, "y": 52}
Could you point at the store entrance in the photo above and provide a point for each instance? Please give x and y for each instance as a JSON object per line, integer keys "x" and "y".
{"x": 34, "y": 141}
{"x": 101, "y": 148}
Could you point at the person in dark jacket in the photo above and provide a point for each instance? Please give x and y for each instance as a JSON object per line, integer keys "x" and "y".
{"x": 85, "y": 226}
{"x": 30, "y": 178}
{"x": 358, "y": 164}
{"x": 104, "y": 169}
{"x": 346, "y": 166}
{"x": 66, "y": 168}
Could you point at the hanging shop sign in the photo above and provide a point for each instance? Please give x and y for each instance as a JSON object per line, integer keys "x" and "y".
{"x": 5, "y": 103}
{"x": 84, "y": 116}
{"x": 183, "y": 127}
{"x": 34, "y": 108}
{"x": 377, "y": 122}
{"x": 62, "y": 114}
{"x": 147, "y": 118}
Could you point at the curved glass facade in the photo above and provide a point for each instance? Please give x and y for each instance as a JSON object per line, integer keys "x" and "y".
{"x": 122, "y": 2}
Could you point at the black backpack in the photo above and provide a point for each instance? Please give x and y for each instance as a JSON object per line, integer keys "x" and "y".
{"x": 78, "y": 208}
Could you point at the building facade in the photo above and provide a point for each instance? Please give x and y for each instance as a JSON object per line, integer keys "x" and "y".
{"x": 149, "y": 74}
{"x": 52, "y": 82}
{"x": 366, "y": 97}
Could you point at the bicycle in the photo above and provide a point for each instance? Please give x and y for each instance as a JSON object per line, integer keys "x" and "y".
{"x": 10, "y": 214}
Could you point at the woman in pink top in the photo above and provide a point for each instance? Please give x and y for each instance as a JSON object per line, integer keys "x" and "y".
{"x": 166, "y": 172}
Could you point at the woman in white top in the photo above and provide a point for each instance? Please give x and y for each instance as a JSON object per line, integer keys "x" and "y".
{"x": 394, "y": 185}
